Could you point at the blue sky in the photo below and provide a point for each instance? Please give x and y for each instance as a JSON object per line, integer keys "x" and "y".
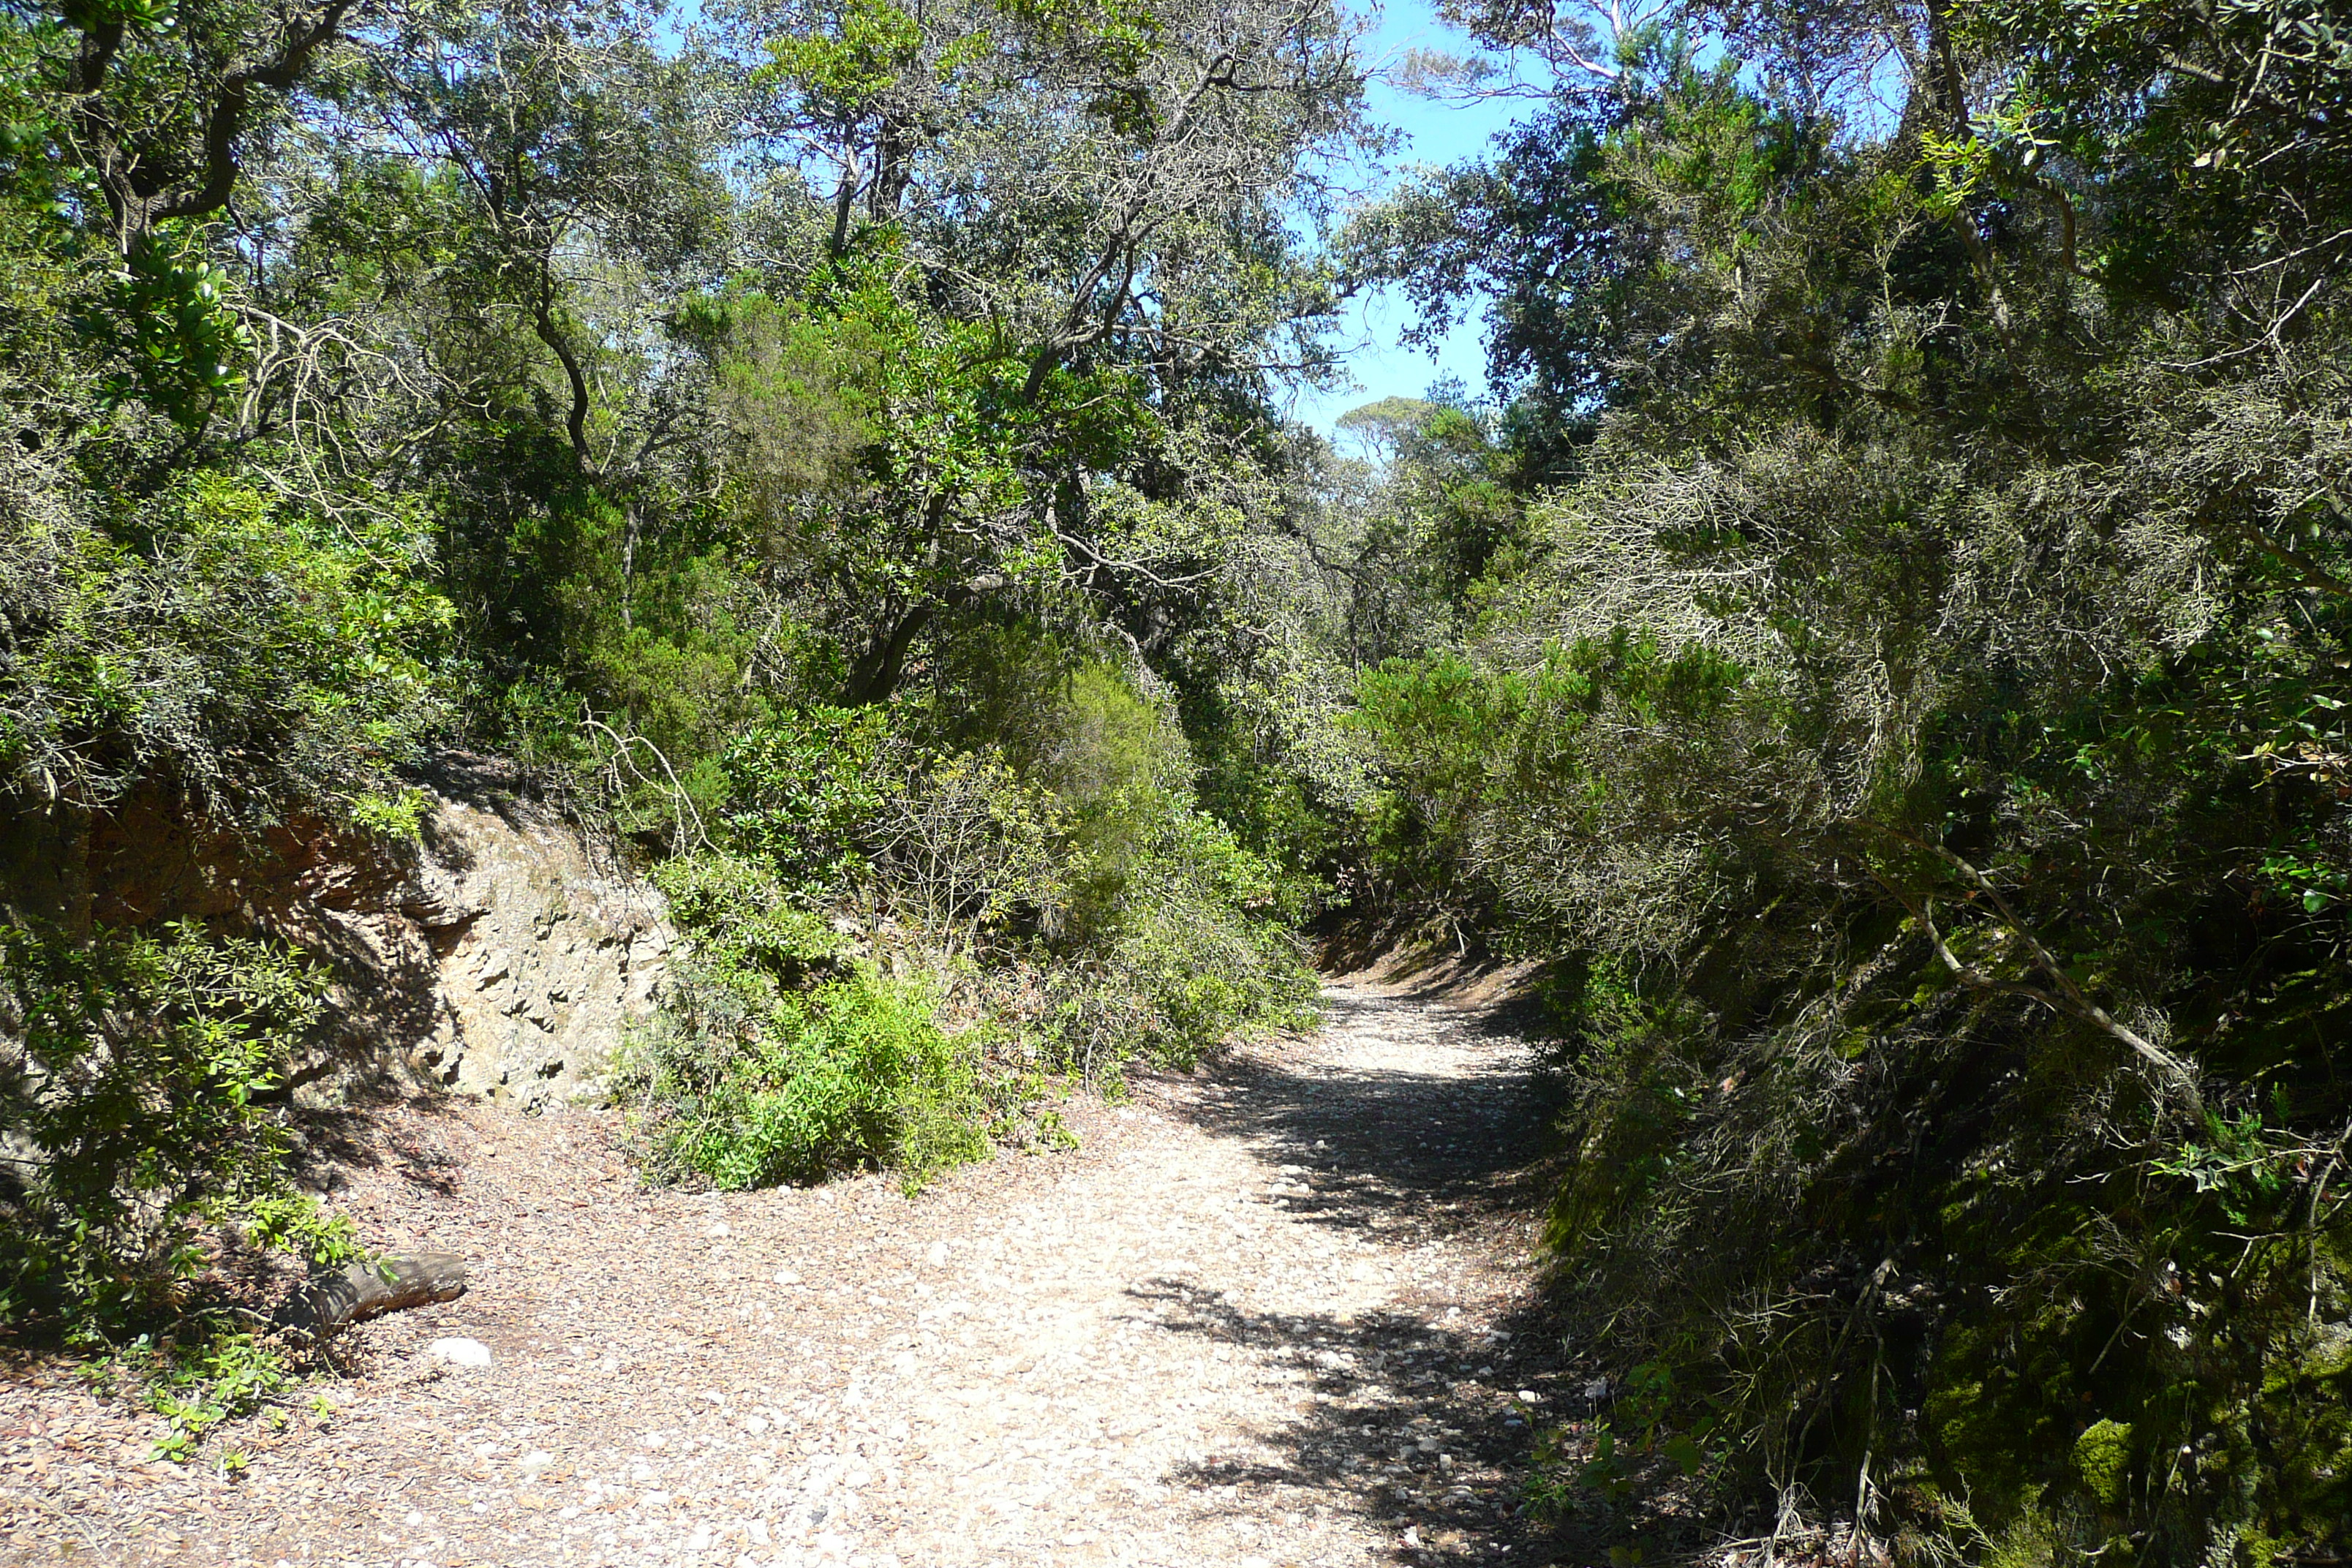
{"x": 1437, "y": 133}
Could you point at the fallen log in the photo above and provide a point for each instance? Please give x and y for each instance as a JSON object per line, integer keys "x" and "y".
{"x": 333, "y": 1302}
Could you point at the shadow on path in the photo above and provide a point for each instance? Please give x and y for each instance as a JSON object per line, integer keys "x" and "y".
{"x": 1421, "y": 1417}
{"x": 1409, "y": 1154}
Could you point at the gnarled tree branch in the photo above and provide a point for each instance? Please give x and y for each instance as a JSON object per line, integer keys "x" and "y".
{"x": 2062, "y": 995}
{"x": 139, "y": 200}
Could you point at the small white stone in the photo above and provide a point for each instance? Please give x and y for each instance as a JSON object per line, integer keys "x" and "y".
{"x": 787, "y": 1277}
{"x": 938, "y": 1254}
{"x": 717, "y": 1229}
{"x": 536, "y": 1461}
{"x": 459, "y": 1353}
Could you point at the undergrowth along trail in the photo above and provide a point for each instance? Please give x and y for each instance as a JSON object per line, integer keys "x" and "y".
{"x": 1267, "y": 1315}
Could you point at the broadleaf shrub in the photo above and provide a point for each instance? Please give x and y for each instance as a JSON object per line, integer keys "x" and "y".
{"x": 135, "y": 1072}
{"x": 1191, "y": 936}
{"x": 251, "y": 656}
{"x": 744, "y": 1082}
{"x": 1068, "y": 905}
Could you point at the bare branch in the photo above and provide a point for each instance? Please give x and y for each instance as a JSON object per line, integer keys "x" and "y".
{"x": 2067, "y": 997}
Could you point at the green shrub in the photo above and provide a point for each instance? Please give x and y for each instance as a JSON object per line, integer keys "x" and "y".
{"x": 1182, "y": 947}
{"x": 1176, "y": 934}
{"x": 803, "y": 795}
{"x": 1108, "y": 740}
{"x": 742, "y": 1083}
{"x": 965, "y": 850}
{"x": 1209, "y": 967}
{"x": 251, "y": 655}
{"x": 1067, "y": 880}
{"x": 736, "y": 904}
{"x": 132, "y": 1072}
{"x": 208, "y": 1369}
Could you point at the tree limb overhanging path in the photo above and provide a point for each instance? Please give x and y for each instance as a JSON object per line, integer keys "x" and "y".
{"x": 1270, "y": 1314}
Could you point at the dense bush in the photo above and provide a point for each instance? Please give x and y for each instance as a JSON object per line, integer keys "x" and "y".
{"x": 249, "y": 655}
{"x": 384, "y": 380}
{"x": 1065, "y": 905}
{"x": 1195, "y": 945}
{"x": 743, "y": 1083}
{"x": 1908, "y": 717}
{"x": 1947, "y": 971}
{"x": 135, "y": 1076}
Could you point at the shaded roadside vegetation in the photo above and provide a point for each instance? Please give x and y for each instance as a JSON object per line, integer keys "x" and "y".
{"x": 1886, "y": 647}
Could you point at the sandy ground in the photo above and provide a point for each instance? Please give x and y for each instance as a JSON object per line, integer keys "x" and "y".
{"x": 1278, "y": 1313}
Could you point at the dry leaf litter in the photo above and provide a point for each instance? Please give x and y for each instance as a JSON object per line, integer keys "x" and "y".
{"x": 1270, "y": 1316}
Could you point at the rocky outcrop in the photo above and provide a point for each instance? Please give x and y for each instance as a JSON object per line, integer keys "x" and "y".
{"x": 544, "y": 952}
{"x": 502, "y": 954}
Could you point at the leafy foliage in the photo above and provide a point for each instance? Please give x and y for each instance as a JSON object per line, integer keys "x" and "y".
{"x": 746, "y": 1083}
{"x": 254, "y": 660}
{"x": 697, "y": 417}
{"x": 1070, "y": 906}
{"x": 137, "y": 1103}
{"x": 209, "y": 1371}
{"x": 1905, "y": 723}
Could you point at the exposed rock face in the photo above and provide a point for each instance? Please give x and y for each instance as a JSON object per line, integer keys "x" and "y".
{"x": 504, "y": 955}
{"x": 543, "y": 957}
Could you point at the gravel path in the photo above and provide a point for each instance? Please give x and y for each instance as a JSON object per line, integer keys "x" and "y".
{"x": 1273, "y": 1314}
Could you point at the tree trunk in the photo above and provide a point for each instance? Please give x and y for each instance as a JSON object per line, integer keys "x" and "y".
{"x": 879, "y": 668}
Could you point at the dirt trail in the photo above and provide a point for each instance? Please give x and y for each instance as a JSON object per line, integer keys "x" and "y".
{"x": 1266, "y": 1316}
